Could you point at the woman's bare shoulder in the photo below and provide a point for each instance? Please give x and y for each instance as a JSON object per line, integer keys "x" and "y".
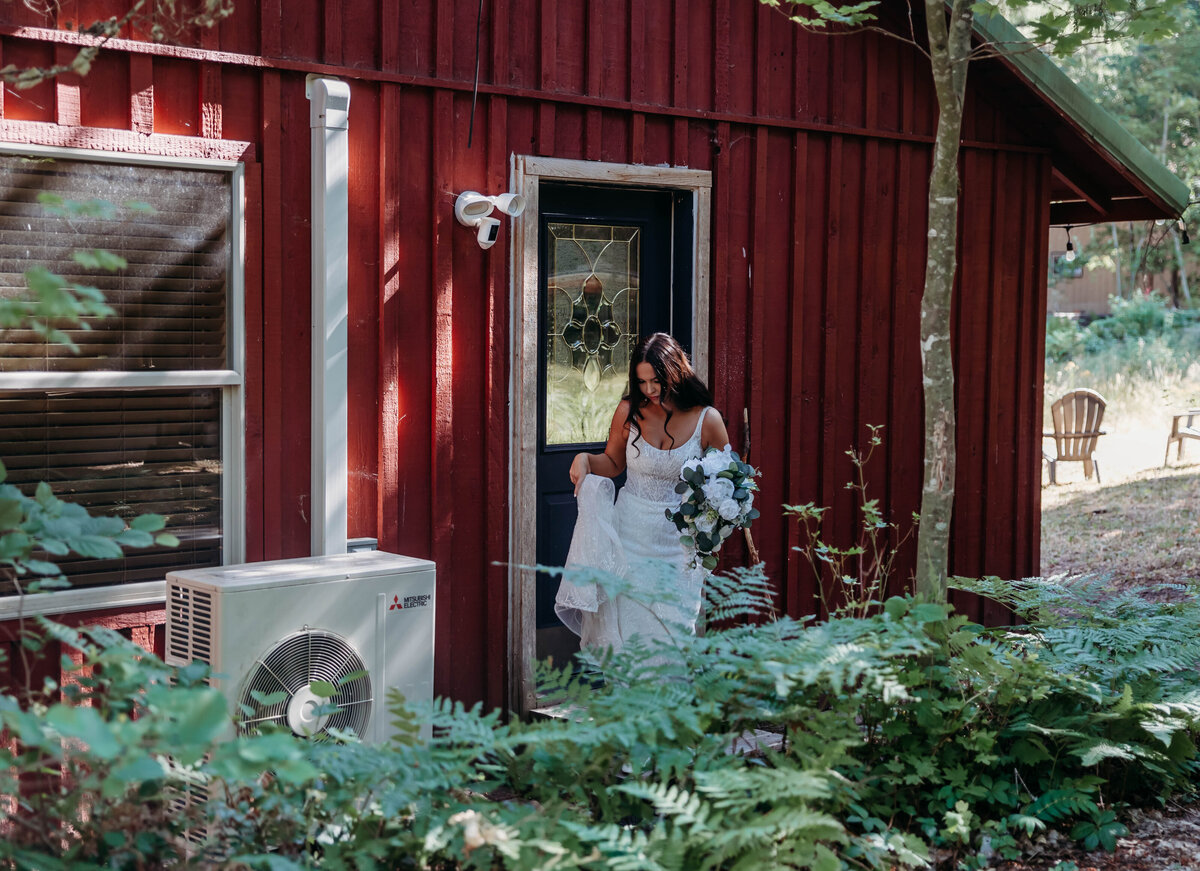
{"x": 713, "y": 433}
{"x": 621, "y": 416}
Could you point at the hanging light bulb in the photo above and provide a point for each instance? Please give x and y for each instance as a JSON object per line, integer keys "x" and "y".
{"x": 1183, "y": 232}
{"x": 1070, "y": 255}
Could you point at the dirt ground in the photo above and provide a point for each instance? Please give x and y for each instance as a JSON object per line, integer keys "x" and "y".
{"x": 1139, "y": 526}
{"x": 1141, "y": 522}
{"x": 1166, "y": 840}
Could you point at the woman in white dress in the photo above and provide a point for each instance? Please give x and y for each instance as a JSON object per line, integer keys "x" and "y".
{"x": 665, "y": 420}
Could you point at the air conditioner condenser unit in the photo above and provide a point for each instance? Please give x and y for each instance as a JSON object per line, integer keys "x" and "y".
{"x": 279, "y": 636}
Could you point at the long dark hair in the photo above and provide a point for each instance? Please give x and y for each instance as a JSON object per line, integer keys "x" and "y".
{"x": 680, "y": 383}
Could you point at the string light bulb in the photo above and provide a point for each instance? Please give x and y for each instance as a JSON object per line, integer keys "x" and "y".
{"x": 1070, "y": 255}
{"x": 1183, "y": 232}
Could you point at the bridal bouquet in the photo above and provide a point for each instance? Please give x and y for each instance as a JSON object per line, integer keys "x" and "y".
{"x": 716, "y": 496}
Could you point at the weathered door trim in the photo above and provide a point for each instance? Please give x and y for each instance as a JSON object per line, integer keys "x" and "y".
{"x": 526, "y": 172}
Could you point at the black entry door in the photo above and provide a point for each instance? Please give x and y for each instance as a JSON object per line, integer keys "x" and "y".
{"x": 614, "y": 265}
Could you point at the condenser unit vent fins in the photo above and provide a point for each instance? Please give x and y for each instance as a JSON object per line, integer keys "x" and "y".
{"x": 190, "y": 621}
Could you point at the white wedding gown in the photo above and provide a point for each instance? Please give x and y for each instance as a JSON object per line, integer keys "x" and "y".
{"x": 635, "y": 541}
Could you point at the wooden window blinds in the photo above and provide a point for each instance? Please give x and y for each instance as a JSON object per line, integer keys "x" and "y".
{"x": 148, "y": 436}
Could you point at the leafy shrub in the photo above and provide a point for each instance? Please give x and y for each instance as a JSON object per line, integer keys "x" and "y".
{"x": 905, "y": 730}
{"x": 1064, "y": 338}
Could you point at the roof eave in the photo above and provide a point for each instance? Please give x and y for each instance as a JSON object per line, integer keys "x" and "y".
{"x": 1163, "y": 189}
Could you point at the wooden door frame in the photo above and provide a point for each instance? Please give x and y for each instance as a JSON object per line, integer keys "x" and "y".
{"x": 526, "y": 172}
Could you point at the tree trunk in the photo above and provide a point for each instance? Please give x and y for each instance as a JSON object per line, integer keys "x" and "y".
{"x": 1116, "y": 241}
{"x": 949, "y": 45}
{"x": 1183, "y": 282}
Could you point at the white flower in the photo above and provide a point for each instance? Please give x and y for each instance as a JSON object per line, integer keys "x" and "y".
{"x": 728, "y": 508}
{"x": 748, "y": 502}
{"x": 690, "y": 466}
{"x": 706, "y": 522}
{"x": 718, "y": 490}
{"x": 716, "y": 461}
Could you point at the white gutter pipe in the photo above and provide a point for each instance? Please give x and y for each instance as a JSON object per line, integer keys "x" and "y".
{"x": 329, "y": 121}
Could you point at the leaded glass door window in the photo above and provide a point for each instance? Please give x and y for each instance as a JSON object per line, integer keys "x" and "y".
{"x": 593, "y": 283}
{"x": 611, "y": 269}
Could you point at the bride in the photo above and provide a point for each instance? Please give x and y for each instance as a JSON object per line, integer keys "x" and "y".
{"x": 665, "y": 420}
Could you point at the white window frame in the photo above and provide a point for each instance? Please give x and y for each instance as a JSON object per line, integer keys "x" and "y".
{"x": 230, "y": 381}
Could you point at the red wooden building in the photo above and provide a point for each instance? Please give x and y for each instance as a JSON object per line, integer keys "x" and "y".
{"x": 700, "y": 167}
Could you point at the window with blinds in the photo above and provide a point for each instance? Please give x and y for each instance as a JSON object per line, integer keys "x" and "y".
{"x": 133, "y": 423}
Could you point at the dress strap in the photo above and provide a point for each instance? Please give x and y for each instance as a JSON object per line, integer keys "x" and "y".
{"x": 700, "y": 422}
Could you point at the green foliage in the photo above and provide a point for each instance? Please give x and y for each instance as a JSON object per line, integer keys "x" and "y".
{"x": 1140, "y": 332}
{"x": 902, "y": 730}
{"x": 852, "y": 581}
{"x": 34, "y": 530}
{"x": 51, "y": 303}
{"x": 162, "y": 20}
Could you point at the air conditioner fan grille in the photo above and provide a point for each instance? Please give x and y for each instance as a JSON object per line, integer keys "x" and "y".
{"x": 290, "y": 667}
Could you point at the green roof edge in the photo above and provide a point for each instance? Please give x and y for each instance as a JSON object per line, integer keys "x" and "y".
{"x": 1046, "y": 77}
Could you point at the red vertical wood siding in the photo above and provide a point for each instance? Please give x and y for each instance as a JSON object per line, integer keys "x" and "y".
{"x": 819, "y": 150}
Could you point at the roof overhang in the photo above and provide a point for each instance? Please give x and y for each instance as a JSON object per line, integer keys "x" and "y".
{"x": 1101, "y": 173}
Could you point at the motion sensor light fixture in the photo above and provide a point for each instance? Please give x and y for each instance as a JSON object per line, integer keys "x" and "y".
{"x": 473, "y": 209}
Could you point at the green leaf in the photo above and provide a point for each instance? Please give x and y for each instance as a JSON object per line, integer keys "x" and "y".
{"x": 323, "y": 689}
{"x": 43, "y": 494}
{"x": 11, "y": 513}
{"x": 41, "y": 567}
{"x": 148, "y": 522}
{"x": 43, "y": 584}
{"x": 14, "y": 544}
{"x": 53, "y": 546}
{"x": 351, "y": 677}
{"x": 134, "y": 538}
{"x": 44, "y": 283}
{"x": 86, "y": 725}
{"x": 98, "y": 258}
{"x": 201, "y": 720}
{"x": 268, "y": 699}
{"x": 165, "y": 539}
{"x": 95, "y": 546}
{"x": 138, "y": 769}
{"x": 3, "y": 472}
{"x": 929, "y": 612}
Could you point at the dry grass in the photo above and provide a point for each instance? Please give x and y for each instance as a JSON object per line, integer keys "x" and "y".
{"x": 1142, "y": 524}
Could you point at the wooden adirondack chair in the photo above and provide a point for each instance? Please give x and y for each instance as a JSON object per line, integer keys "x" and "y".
{"x": 1077, "y": 416}
{"x": 1181, "y": 430}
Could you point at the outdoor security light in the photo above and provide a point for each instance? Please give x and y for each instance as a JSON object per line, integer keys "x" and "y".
{"x": 472, "y": 209}
{"x": 489, "y": 230}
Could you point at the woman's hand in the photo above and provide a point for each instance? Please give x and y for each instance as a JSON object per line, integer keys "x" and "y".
{"x": 580, "y": 467}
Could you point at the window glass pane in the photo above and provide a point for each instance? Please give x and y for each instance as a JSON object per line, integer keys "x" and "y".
{"x": 170, "y": 301}
{"x": 592, "y": 326}
{"x": 124, "y": 453}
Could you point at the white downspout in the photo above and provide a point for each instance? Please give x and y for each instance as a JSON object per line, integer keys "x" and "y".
{"x": 329, "y": 121}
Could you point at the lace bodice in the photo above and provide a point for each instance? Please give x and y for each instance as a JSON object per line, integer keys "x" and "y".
{"x": 654, "y": 472}
{"x": 633, "y": 540}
